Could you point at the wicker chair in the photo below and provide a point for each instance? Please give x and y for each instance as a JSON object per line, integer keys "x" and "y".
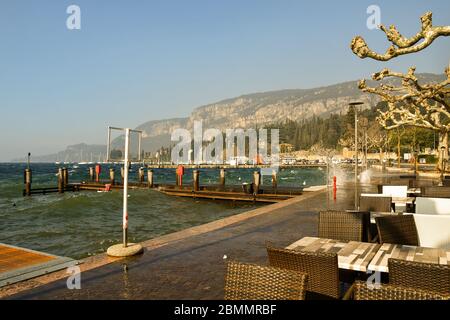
{"x": 425, "y": 276}
{"x": 375, "y": 204}
{"x": 361, "y": 291}
{"x": 322, "y": 268}
{"x": 253, "y": 282}
{"x": 397, "y": 230}
{"x": 343, "y": 226}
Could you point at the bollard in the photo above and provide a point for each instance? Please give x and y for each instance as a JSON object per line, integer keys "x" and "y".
{"x": 60, "y": 180}
{"x": 27, "y": 180}
{"x": 274, "y": 179}
{"x": 65, "y": 177}
{"x": 196, "y": 178}
{"x": 334, "y": 187}
{"x": 256, "y": 181}
{"x": 91, "y": 173}
{"x": 98, "y": 171}
{"x": 141, "y": 175}
{"x": 122, "y": 173}
{"x": 112, "y": 176}
{"x": 222, "y": 177}
{"x": 150, "y": 178}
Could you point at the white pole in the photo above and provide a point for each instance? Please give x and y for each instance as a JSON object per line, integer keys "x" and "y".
{"x": 125, "y": 188}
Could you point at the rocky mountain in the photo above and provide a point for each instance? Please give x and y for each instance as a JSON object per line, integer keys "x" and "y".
{"x": 250, "y": 111}
{"x": 259, "y": 109}
{"x": 76, "y": 153}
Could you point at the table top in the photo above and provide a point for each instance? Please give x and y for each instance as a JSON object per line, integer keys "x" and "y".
{"x": 409, "y": 253}
{"x": 352, "y": 255}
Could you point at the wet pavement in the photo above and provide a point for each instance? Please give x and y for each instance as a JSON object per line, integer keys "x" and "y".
{"x": 193, "y": 267}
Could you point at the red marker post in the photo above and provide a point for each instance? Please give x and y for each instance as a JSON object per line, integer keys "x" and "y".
{"x": 334, "y": 187}
{"x": 98, "y": 171}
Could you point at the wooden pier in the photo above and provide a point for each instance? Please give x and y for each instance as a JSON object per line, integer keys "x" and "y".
{"x": 18, "y": 264}
{"x": 247, "y": 192}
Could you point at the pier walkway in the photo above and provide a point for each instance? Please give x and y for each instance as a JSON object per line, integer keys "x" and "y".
{"x": 189, "y": 264}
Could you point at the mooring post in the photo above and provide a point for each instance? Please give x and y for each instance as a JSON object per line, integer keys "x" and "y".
{"x": 65, "y": 177}
{"x": 112, "y": 176}
{"x": 196, "y": 177}
{"x": 256, "y": 181}
{"x": 60, "y": 180}
{"x": 150, "y": 178}
{"x": 91, "y": 173}
{"x": 222, "y": 177}
{"x": 141, "y": 175}
{"x": 274, "y": 180}
{"x": 27, "y": 181}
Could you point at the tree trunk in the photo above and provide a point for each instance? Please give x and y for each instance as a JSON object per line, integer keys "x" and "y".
{"x": 443, "y": 149}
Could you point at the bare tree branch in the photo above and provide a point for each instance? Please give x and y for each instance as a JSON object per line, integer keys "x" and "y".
{"x": 401, "y": 45}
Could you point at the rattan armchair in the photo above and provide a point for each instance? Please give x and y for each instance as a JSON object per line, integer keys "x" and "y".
{"x": 253, "y": 282}
{"x": 343, "y": 226}
{"x": 322, "y": 268}
{"x": 425, "y": 276}
{"x": 361, "y": 291}
{"x": 397, "y": 230}
{"x": 375, "y": 204}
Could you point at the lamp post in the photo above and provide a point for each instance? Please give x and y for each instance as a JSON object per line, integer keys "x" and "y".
{"x": 442, "y": 165}
{"x": 125, "y": 249}
{"x": 355, "y": 105}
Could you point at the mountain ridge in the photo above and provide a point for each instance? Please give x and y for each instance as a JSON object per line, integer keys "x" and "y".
{"x": 256, "y": 109}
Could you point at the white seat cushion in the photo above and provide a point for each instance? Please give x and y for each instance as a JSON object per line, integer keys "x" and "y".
{"x": 395, "y": 191}
{"x": 440, "y": 206}
{"x": 433, "y": 230}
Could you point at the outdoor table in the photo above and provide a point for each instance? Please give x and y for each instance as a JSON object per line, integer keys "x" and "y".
{"x": 352, "y": 255}
{"x": 408, "y": 253}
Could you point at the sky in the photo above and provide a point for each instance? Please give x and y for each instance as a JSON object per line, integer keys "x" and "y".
{"x": 135, "y": 61}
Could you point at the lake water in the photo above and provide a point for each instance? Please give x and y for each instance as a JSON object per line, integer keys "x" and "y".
{"x": 81, "y": 224}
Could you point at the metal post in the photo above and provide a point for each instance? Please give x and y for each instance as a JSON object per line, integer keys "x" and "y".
{"x": 28, "y": 161}
{"x": 126, "y": 167}
{"x": 355, "y": 106}
{"x": 356, "y": 159}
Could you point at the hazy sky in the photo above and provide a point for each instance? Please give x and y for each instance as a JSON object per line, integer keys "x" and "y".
{"x": 134, "y": 61}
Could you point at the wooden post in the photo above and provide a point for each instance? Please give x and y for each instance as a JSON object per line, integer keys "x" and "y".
{"x": 222, "y": 177}
{"x": 256, "y": 181}
{"x": 66, "y": 177}
{"x": 196, "y": 177}
{"x": 112, "y": 176}
{"x": 141, "y": 175}
{"x": 150, "y": 178}
{"x": 27, "y": 181}
{"x": 60, "y": 180}
{"x": 274, "y": 180}
{"x": 91, "y": 173}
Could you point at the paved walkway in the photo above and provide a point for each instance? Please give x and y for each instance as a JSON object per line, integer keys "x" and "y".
{"x": 190, "y": 264}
